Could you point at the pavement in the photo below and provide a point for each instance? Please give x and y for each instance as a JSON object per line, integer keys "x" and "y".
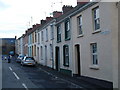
{"x": 83, "y": 82}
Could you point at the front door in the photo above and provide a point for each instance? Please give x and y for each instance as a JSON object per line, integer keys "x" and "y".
{"x": 77, "y": 58}
{"x": 57, "y": 58}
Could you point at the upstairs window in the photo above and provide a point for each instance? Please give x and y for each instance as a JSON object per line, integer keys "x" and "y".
{"x": 35, "y": 36}
{"x": 38, "y": 38}
{"x": 79, "y": 19}
{"x": 58, "y": 33}
{"x": 52, "y": 32}
{"x": 67, "y": 30}
{"x": 96, "y": 18}
{"x": 46, "y": 34}
{"x": 42, "y": 36}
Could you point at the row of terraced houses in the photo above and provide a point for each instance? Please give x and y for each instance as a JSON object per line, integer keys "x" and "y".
{"x": 80, "y": 40}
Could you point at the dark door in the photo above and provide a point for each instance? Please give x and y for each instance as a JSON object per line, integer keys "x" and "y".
{"x": 77, "y": 50}
{"x": 57, "y": 58}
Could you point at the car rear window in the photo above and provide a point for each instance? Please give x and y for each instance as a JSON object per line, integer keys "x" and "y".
{"x": 29, "y": 58}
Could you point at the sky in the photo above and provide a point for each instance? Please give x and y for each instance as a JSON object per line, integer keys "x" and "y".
{"x": 16, "y": 16}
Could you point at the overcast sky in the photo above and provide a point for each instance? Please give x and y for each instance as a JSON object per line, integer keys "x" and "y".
{"x": 15, "y": 15}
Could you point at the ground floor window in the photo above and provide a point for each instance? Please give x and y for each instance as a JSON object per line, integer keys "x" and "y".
{"x": 94, "y": 53}
{"x": 66, "y": 55}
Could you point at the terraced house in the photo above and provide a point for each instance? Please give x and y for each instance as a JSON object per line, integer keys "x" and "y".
{"x": 80, "y": 41}
{"x": 32, "y": 41}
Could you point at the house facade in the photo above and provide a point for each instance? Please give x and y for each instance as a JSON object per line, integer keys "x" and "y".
{"x": 45, "y": 40}
{"x": 85, "y": 41}
{"x": 82, "y": 41}
{"x": 92, "y": 40}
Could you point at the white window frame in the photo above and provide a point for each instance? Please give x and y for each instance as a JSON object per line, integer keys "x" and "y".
{"x": 96, "y": 18}
{"x": 66, "y": 55}
{"x": 80, "y": 29}
{"x": 41, "y": 52}
{"x": 38, "y": 38}
{"x": 52, "y": 32}
{"x": 58, "y": 33}
{"x": 94, "y": 53}
{"x": 51, "y": 51}
{"x": 67, "y": 29}
{"x": 46, "y": 34}
{"x": 42, "y": 36}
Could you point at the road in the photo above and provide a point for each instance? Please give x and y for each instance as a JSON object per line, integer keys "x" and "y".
{"x": 26, "y": 77}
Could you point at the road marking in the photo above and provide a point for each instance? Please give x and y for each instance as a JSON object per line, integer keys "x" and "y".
{"x": 16, "y": 75}
{"x": 10, "y": 68}
{"x": 24, "y": 86}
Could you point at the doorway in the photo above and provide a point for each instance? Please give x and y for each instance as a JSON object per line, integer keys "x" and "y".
{"x": 77, "y": 59}
{"x": 57, "y": 57}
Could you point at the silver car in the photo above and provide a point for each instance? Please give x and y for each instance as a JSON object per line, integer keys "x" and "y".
{"x": 19, "y": 58}
{"x": 28, "y": 61}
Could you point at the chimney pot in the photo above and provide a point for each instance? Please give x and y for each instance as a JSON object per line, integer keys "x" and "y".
{"x": 66, "y": 8}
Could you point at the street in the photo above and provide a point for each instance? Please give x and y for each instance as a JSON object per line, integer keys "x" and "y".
{"x": 16, "y": 76}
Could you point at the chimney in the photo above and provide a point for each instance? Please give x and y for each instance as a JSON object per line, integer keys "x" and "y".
{"x": 15, "y": 37}
{"x": 34, "y": 26}
{"x": 49, "y": 18}
{"x": 56, "y": 14}
{"x": 43, "y": 22}
{"x": 82, "y": 2}
{"x": 66, "y": 8}
{"x": 26, "y": 31}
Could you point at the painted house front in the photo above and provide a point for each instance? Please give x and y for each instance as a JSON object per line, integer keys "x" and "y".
{"x": 92, "y": 32}
{"x": 45, "y": 43}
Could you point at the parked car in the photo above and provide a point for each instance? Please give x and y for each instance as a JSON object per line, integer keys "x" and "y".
{"x": 28, "y": 61}
{"x": 19, "y": 58}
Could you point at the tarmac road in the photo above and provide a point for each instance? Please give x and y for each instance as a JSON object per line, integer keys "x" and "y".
{"x": 26, "y": 77}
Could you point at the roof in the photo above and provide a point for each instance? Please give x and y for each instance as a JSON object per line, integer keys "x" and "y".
{"x": 44, "y": 25}
{"x": 74, "y": 11}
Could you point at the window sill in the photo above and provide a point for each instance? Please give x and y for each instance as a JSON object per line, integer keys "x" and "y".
{"x": 66, "y": 65}
{"x": 58, "y": 41}
{"x": 81, "y": 35}
{"x": 96, "y": 31}
{"x": 51, "y": 38}
{"x": 95, "y": 67}
{"x": 67, "y": 39}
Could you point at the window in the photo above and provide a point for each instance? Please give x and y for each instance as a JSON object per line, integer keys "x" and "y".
{"x": 51, "y": 51}
{"x": 67, "y": 30}
{"x": 80, "y": 25}
{"x": 52, "y": 33}
{"x": 32, "y": 37}
{"x": 34, "y": 50}
{"x": 66, "y": 55}
{"x": 41, "y": 53}
{"x": 38, "y": 38}
{"x": 42, "y": 36}
{"x": 94, "y": 54}
{"x": 46, "y": 54}
{"x": 96, "y": 18}
{"x": 35, "y": 37}
{"x": 46, "y": 34}
{"x": 58, "y": 33}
